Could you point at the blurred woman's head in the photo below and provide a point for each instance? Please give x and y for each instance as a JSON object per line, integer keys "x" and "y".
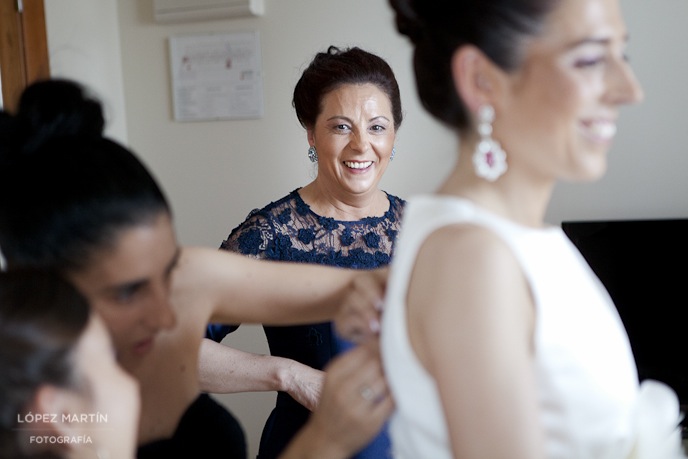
{"x": 69, "y": 190}
{"x": 61, "y": 390}
{"x": 71, "y": 197}
{"x": 498, "y": 28}
{"x": 555, "y": 73}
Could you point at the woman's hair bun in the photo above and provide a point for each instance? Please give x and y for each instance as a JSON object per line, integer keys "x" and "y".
{"x": 48, "y": 110}
{"x": 408, "y": 21}
{"x": 10, "y": 135}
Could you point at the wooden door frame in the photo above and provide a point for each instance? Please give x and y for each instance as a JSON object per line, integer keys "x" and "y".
{"x": 23, "y": 48}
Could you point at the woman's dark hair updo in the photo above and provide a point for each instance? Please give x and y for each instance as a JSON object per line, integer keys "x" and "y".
{"x": 336, "y": 67}
{"x": 65, "y": 189}
{"x": 438, "y": 27}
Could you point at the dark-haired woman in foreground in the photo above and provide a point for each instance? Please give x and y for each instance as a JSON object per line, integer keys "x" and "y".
{"x": 498, "y": 341}
{"x": 348, "y": 102}
{"x": 78, "y": 203}
{"x": 63, "y": 395}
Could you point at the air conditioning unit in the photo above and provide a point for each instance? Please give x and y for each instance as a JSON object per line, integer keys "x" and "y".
{"x": 166, "y": 11}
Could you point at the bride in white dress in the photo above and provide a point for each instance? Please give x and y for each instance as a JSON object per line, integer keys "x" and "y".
{"x": 498, "y": 340}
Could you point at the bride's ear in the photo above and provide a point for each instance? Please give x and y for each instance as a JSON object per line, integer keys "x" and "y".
{"x": 476, "y": 78}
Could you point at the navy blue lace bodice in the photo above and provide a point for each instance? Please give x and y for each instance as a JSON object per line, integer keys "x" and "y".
{"x": 288, "y": 230}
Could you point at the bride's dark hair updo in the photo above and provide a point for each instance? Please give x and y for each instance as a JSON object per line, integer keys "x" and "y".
{"x": 438, "y": 27}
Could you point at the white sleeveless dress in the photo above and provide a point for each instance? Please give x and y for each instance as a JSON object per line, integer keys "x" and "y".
{"x": 588, "y": 386}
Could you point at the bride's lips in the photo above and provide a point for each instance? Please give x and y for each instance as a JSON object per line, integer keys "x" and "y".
{"x": 599, "y": 130}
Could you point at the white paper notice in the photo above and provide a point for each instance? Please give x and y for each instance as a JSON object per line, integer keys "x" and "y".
{"x": 216, "y": 76}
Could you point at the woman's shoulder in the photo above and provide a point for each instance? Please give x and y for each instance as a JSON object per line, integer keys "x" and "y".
{"x": 272, "y": 211}
{"x": 274, "y": 208}
{"x": 467, "y": 241}
{"x": 392, "y": 216}
{"x": 395, "y": 200}
{"x": 250, "y": 236}
{"x": 396, "y": 204}
{"x": 455, "y": 232}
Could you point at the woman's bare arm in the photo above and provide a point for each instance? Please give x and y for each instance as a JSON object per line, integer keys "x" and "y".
{"x": 231, "y": 288}
{"x": 225, "y": 370}
{"x": 238, "y": 289}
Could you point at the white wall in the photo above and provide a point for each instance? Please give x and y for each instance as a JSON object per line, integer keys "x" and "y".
{"x": 84, "y": 44}
{"x": 216, "y": 172}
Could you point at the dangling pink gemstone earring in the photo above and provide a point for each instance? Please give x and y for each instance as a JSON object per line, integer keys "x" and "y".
{"x": 489, "y": 160}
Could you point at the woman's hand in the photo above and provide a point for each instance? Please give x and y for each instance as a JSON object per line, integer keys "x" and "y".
{"x": 359, "y": 314}
{"x": 304, "y": 384}
{"x": 354, "y": 406}
{"x": 355, "y": 401}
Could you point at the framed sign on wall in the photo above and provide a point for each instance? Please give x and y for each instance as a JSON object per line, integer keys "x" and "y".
{"x": 216, "y": 76}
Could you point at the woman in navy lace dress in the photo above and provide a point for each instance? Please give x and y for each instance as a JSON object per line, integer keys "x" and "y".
{"x": 348, "y": 102}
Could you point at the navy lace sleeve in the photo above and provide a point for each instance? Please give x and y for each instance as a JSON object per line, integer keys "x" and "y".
{"x": 253, "y": 236}
{"x": 245, "y": 235}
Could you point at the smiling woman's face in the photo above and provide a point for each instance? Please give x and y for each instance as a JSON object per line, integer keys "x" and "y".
{"x": 558, "y": 116}
{"x": 354, "y": 136}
